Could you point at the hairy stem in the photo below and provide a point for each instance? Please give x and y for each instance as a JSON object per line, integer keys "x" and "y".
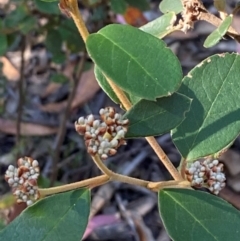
{"x": 118, "y": 177}
{"x": 89, "y": 183}
{"x": 120, "y": 94}
{"x": 77, "y": 18}
{"x": 164, "y": 158}
{"x": 170, "y": 184}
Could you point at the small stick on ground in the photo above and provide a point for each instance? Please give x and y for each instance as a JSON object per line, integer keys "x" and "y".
{"x": 62, "y": 128}
{"x": 21, "y": 94}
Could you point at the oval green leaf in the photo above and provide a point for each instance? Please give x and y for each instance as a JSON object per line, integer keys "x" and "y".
{"x": 143, "y": 5}
{"x": 49, "y": 7}
{"x": 193, "y": 215}
{"x": 60, "y": 217}
{"x": 213, "y": 121}
{"x": 70, "y": 36}
{"x": 151, "y": 118}
{"x": 13, "y": 19}
{"x": 218, "y": 33}
{"x": 161, "y": 26}
{"x": 3, "y": 44}
{"x": 102, "y": 81}
{"x": 49, "y": 0}
{"x": 147, "y": 69}
{"x": 118, "y": 6}
{"x": 171, "y": 6}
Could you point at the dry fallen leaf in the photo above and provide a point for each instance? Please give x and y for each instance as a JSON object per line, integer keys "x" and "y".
{"x": 86, "y": 89}
{"x": 98, "y": 221}
{"x": 9, "y": 70}
{"x": 50, "y": 89}
{"x": 27, "y": 129}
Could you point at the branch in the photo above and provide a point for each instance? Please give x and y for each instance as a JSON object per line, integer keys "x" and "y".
{"x": 118, "y": 177}
{"x": 89, "y": 183}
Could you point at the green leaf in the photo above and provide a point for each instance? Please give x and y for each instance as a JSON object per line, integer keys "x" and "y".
{"x": 93, "y": 2}
{"x": 13, "y": 19}
{"x": 148, "y": 69}
{"x": 58, "y": 58}
{"x": 218, "y": 33}
{"x": 118, "y": 6}
{"x": 70, "y": 35}
{"x": 47, "y": 7}
{"x": 49, "y": 0}
{"x": 194, "y": 215}
{"x": 105, "y": 85}
{"x": 54, "y": 41}
{"x": 27, "y": 24}
{"x": 56, "y": 218}
{"x": 213, "y": 121}
{"x": 161, "y": 26}
{"x": 140, "y": 4}
{"x": 99, "y": 14}
{"x": 59, "y": 78}
{"x": 102, "y": 81}
{"x": 171, "y": 6}
{"x": 2, "y": 224}
{"x": 54, "y": 45}
{"x": 151, "y": 118}
{"x": 3, "y": 44}
{"x": 133, "y": 99}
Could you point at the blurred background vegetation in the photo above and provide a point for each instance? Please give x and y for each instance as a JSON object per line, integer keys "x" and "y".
{"x": 47, "y": 82}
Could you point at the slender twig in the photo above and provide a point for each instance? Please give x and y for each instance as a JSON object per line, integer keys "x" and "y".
{"x": 169, "y": 184}
{"x": 164, "y": 158}
{"x": 62, "y": 129}
{"x": 183, "y": 166}
{"x": 89, "y": 183}
{"x": 21, "y": 92}
{"x": 118, "y": 177}
{"x": 120, "y": 94}
{"x": 72, "y": 7}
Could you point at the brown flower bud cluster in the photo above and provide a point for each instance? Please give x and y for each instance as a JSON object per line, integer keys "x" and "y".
{"x": 191, "y": 11}
{"x": 207, "y": 173}
{"x": 103, "y": 136}
{"x": 23, "y": 180}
